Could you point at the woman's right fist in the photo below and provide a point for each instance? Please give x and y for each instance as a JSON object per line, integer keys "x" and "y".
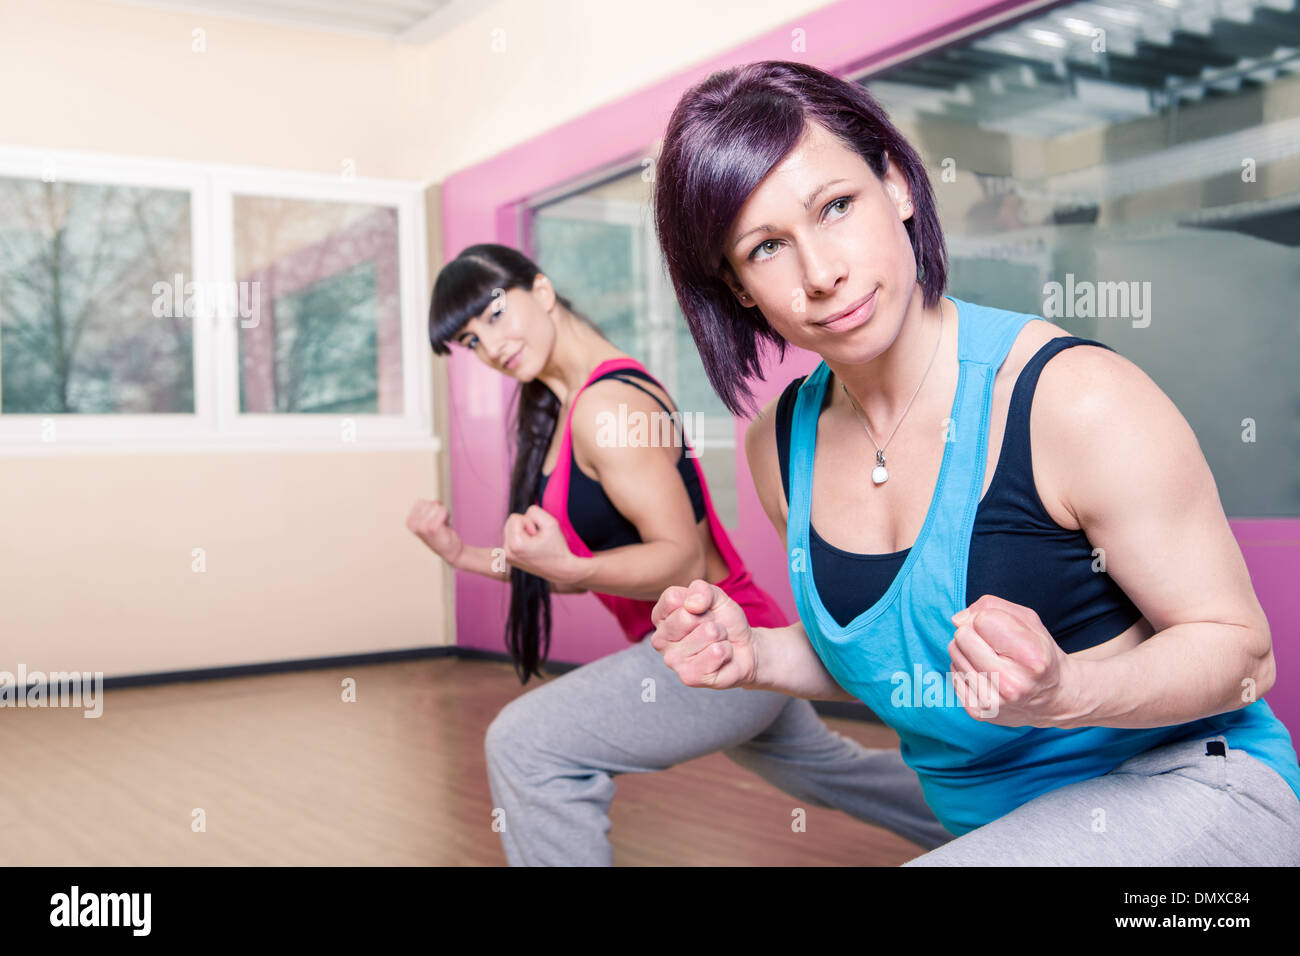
{"x": 430, "y": 522}
{"x": 704, "y": 636}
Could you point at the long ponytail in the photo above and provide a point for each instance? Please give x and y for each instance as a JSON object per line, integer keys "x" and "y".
{"x": 465, "y": 287}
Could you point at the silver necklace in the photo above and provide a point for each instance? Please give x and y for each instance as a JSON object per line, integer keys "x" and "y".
{"x": 879, "y": 474}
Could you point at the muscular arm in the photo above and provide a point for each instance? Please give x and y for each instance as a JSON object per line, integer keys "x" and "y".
{"x": 1134, "y": 478}
{"x": 645, "y": 487}
{"x": 786, "y": 661}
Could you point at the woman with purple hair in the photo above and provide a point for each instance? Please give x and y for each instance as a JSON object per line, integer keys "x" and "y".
{"x": 1068, "y": 644}
{"x": 623, "y": 521}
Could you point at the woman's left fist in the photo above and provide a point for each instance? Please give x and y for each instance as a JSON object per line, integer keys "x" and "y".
{"x": 534, "y": 542}
{"x": 1009, "y": 670}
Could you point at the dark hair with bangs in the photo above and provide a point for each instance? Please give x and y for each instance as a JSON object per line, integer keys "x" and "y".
{"x": 464, "y": 288}
{"x": 725, "y": 135}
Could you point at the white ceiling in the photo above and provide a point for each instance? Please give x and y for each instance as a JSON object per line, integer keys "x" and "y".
{"x": 407, "y": 20}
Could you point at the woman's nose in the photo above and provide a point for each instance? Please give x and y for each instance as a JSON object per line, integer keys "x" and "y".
{"x": 822, "y": 268}
{"x": 493, "y": 345}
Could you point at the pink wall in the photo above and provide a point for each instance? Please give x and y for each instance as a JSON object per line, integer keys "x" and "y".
{"x": 1271, "y": 548}
{"x": 481, "y": 204}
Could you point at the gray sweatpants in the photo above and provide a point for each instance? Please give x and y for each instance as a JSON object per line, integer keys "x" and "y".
{"x": 553, "y": 752}
{"x": 1180, "y": 804}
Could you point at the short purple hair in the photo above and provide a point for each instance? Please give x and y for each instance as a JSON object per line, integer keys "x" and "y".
{"x": 725, "y": 135}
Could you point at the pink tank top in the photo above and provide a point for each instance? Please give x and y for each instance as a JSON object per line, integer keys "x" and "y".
{"x": 634, "y": 615}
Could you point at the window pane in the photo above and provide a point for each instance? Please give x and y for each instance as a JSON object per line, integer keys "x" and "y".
{"x": 1131, "y": 172}
{"x": 326, "y": 336}
{"x": 596, "y": 260}
{"x": 83, "y": 327}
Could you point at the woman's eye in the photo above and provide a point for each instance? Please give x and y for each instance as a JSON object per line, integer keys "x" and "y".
{"x": 492, "y": 317}
{"x": 844, "y": 201}
{"x": 471, "y": 342}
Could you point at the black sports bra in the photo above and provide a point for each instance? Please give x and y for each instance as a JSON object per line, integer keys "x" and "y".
{"x": 598, "y": 523}
{"x": 1017, "y": 551}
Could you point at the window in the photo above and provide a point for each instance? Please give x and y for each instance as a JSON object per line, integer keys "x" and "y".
{"x": 77, "y": 332}
{"x": 1131, "y": 172}
{"x": 146, "y": 303}
{"x": 328, "y": 335}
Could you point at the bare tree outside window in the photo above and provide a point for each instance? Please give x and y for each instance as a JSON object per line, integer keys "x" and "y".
{"x": 79, "y": 263}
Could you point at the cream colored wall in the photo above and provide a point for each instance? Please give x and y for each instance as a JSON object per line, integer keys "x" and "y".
{"x": 126, "y": 79}
{"x": 306, "y": 554}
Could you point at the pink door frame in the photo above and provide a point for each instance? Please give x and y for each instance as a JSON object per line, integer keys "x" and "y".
{"x": 485, "y": 203}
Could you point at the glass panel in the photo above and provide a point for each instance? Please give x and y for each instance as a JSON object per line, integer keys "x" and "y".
{"x": 93, "y": 299}
{"x": 599, "y": 250}
{"x": 326, "y": 334}
{"x": 1131, "y": 172}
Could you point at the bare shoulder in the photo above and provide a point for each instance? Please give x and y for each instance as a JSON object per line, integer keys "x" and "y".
{"x": 1032, "y": 336}
{"x": 1092, "y": 402}
{"x": 610, "y": 404}
{"x": 760, "y": 433}
{"x": 1086, "y": 383}
{"x": 764, "y": 463}
{"x": 1073, "y": 376}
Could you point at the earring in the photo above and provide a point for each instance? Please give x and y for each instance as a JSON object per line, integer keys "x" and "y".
{"x": 920, "y": 272}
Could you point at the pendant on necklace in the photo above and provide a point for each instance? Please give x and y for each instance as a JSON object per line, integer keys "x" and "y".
{"x": 878, "y": 474}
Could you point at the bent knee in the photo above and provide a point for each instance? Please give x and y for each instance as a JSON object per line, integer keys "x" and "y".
{"x": 509, "y": 729}
{"x": 530, "y": 724}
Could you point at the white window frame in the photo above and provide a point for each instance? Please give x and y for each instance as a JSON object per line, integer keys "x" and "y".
{"x": 217, "y": 424}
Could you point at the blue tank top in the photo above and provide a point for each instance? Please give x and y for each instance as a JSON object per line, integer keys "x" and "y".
{"x": 1017, "y": 551}
{"x": 893, "y": 655}
{"x": 599, "y": 524}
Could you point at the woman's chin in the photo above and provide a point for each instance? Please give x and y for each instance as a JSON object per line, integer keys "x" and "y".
{"x": 854, "y": 350}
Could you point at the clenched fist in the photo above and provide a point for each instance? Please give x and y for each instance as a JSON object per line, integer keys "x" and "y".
{"x": 534, "y": 542}
{"x": 430, "y": 522}
{"x": 704, "y": 636}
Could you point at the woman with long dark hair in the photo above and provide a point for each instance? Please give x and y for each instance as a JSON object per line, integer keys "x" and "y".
{"x": 1067, "y": 644}
{"x": 623, "y": 519}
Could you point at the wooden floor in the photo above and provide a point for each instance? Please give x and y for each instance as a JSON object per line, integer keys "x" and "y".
{"x": 286, "y": 773}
